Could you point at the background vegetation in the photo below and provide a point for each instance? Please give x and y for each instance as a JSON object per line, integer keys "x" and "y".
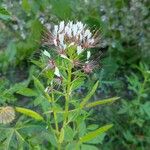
{"x": 123, "y": 57}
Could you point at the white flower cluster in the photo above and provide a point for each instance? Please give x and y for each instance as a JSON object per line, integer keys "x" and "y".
{"x": 73, "y": 34}
{"x": 70, "y": 34}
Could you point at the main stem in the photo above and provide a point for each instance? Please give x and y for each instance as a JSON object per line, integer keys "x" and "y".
{"x": 55, "y": 114}
{"x": 67, "y": 95}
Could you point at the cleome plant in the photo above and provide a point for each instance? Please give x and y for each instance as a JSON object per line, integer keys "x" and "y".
{"x": 65, "y": 115}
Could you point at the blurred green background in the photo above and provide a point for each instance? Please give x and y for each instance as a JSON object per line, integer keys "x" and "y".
{"x": 124, "y": 66}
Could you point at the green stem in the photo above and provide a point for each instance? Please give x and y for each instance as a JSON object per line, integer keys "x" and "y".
{"x": 59, "y": 146}
{"x": 67, "y": 95}
{"x": 55, "y": 114}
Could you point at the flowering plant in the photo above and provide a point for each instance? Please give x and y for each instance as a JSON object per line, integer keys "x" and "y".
{"x": 65, "y": 69}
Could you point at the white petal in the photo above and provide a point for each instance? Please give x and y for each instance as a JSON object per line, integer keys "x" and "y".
{"x": 46, "y": 53}
{"x": 91, "y": 41}
{"x": 66, "y": 29}
{"x": 80, "y": 26}
{"x": 61, "y": 26}
{"x": 46, "y": 90}
{"x": 69, "y": 33}
{"x": 70, "y": 24}
{"x": 55, "y": 30}
{"x": 57, "y": 72}
{"x": 87, "y": 34}
{"x": 64, "y": 56}
{"x": 71, "y": 44}
{"x": 74, "y": 29}
{"x": 61, "y": 38}
{"x": 55, "y": 42}
{"x": 64, "y": 46}
{"x": 88, "y": 54}
{"x": 81, "y": 37}
{"x": 79, "y": 50}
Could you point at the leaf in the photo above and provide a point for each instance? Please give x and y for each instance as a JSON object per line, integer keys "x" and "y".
{"x": 92, "y": 127}
{"x": 88, "y": 147}
{"x": 9, "y": 138}
{"x": 146, "y": 108}
{"x": 92, "y": 135}
{"x": 4, "y": 14}
{"x": 20, "y": 140}
{"x": 82, "y": 128}
{"x": 77, "y": 83}
{"x": 38, "y": 84}
{"x": 89, "y": 95}
{"x": 72, "y": 146}
{"x": 26, "y": 6}
{"x": 29, "y": 113}
{"x": 11, "y": 52}
{"x": 69, "y": 134}
{"x": 27, "y": 92}
{"x": 61, "y": 137}
{"x": 61, "y": 8}
{"x": 98, "y": 140}
{"x": 102, "y": 102}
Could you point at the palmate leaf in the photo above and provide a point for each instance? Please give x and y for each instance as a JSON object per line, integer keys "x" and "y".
{"x": 102, "y": 102}
{"x": 29, "y": 113}
{"x": 91, "y": 135}
{"x": 7, "y": 142}
{"x": 89, "y": 95}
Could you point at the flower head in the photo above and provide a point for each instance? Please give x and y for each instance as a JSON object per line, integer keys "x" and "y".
{"x": 7, "y": 114}
{"x": 67, "y": 34}
{"x": 71, "y": 40}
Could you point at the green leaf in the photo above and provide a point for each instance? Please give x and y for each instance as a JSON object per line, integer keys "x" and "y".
{"x": 69, "y": 134}
{"x": 26, "y": 6}
{"x": 4, "y": 14}
{"x": 102, "y": 102}
{"x": 98, "y": 140}
{"x": 38, "y": 84}
{"x": 61, "y": 137}
{"x": 9, "y": 139}
{"x": 62, "y": 8}
{"x": 72, "y": 146}
{"x": 77, "y": 83}
{"x": 88, "y": 147}
{"x": 27, "y": 92}
{"x": 92, "y": 135}
{"x": 146, "y": 108}
{"x": 89, "y": 95}
{"x": 11, "y": 52}
{"x": 29, "y": 113}
{"x": 82, "y": 128}
{"x": 92, "y": 126}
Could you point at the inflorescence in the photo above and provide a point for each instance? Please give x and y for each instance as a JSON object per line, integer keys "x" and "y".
{"x": 75, "y": 35}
